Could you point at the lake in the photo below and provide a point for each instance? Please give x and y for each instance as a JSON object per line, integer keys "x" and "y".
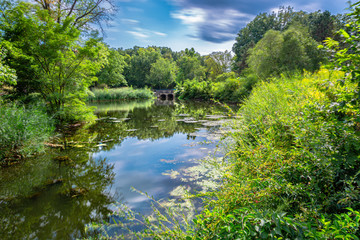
{"x": 147, "y": 145}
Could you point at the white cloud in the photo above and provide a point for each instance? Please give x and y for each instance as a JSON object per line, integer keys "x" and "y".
{"x": 129, "y": 21}
{"x": 190, "y": 16}
{"x": 138, "y": 34}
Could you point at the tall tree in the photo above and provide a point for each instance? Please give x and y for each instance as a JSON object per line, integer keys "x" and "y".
{"x": 162, "y": 74}
{"x": 278, "y": 52}
{"x": 112, "y": 73}
{"x": 139, "y": 66}
{"x": 189, "y": 68}
{"x": 62, "y": 65}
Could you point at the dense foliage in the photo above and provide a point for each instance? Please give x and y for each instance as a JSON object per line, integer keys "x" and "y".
{"x": 22, "y": 131}
{"x": 319, "y": 25}
{"x": 280, "y": 52}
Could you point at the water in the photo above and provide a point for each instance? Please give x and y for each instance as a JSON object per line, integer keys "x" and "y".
{"x": 134, "y": 144}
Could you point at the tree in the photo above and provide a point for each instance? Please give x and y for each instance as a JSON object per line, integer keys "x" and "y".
{"x": 111, "y": 73}
{"x": 82, "y": 12}
{"x": 162, "y": 74}
{"x": 62, "y": 65}
{"x": 250, "y": 35}
{"x": 278, "y": 52}
{"x": 189, "y": 68}
{"x": 346, "y": 52}
{"x": 319, "y": 24}
{"x": 139, "y": 66}
{"x": 7, "y": 75}
{"x": 217, "y": 63}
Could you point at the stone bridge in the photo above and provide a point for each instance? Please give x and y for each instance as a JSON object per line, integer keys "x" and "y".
{"x": 165, "y": 94}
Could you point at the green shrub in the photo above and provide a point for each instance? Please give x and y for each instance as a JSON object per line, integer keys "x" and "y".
{"x": 195, "y": 89}
{"x": 234, "y": 89}
{"x": 125, "y": 93}
{"x": 22, "y": 130}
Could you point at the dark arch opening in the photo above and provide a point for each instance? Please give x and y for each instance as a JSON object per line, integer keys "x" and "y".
{"x": 163, "y": 97}
{"x": 170, "y": 97}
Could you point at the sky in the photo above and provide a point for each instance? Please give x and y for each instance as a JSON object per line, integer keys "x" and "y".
{"x": 206, "y": 25}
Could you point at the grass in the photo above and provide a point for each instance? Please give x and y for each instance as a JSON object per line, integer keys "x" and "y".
{"x": 23, "y": 131}
{"x": 126, "y": 93}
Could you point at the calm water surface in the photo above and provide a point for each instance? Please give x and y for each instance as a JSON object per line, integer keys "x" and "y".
{"x": 134, "y": 144}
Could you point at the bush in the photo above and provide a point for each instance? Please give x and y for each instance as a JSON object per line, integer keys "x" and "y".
{"x": 22, "y": 131}
{"x": 297, "y": 151}
{"x": 125, "y": 93}
{"x": 195, "y": 89}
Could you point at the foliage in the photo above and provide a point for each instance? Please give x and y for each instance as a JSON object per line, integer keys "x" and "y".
{"x": 62, "y": 65}
{"x": 111, "y": 73}
{"x": 189, "y": 68}
{"x": 348, "y": 58}
{"x": 162, "y": 74}
{"x": 194, "y": 89}
{"x": 139, "y": 67}
{"x": 125, "y": 93}
{"x": 289, "y": 51}
{"x": 234, "y": 89}
{"x": 294, "y": 154}
{"x": 84, "y": 13}
{"x": 7, "y": 75}
{"x": 217, "y": 63}
{"x": 319, "y": 24}
{"x": 23, "y": 131}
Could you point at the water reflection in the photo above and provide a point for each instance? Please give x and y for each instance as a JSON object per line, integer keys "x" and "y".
{"x": 134, "y": 144}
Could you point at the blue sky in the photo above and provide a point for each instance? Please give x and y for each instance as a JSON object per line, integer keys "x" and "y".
{"x": 206, "y": 25}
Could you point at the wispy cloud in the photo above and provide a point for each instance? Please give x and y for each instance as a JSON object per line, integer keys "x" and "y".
{"x": 129, "y": 21}
{"x": 138, "y": 34}
{"x": 219, "y": 21}
{"x": 145, "y": 33}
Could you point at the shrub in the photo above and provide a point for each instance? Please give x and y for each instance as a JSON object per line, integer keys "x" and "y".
{"x": 22, "y": 130}
{"x": 195, "y": 89}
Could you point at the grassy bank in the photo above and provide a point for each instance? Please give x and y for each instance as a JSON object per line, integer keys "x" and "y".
{"x": 23, "y": 131}
{"x": 294, "y": 167}
{"x": 126, "y": 93}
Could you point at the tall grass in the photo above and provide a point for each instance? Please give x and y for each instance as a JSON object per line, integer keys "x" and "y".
{"x": 22, "y": 131}
{"x": 126, "y": 93}
{"x": 294, "y": 167}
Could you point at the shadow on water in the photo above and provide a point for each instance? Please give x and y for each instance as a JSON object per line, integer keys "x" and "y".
{"x": 56, "y": 194}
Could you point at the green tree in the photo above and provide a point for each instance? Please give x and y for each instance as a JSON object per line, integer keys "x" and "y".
{"x": 63, "y": 65}
{"x": 319, "y": 24}
{"x": 139, "y": 66}
{"x": 250, "y": 35}
{"x": 83, "y": 13}
{"x": 162, "y": 74}
{"x": 189, "y": 68}
{"x": 278, "y": 52}
{"x": 217, "y": 63}
{"x": 7, "y": 75}
{"x": 112, "y": 73}
{"x": 346, "y": 52}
